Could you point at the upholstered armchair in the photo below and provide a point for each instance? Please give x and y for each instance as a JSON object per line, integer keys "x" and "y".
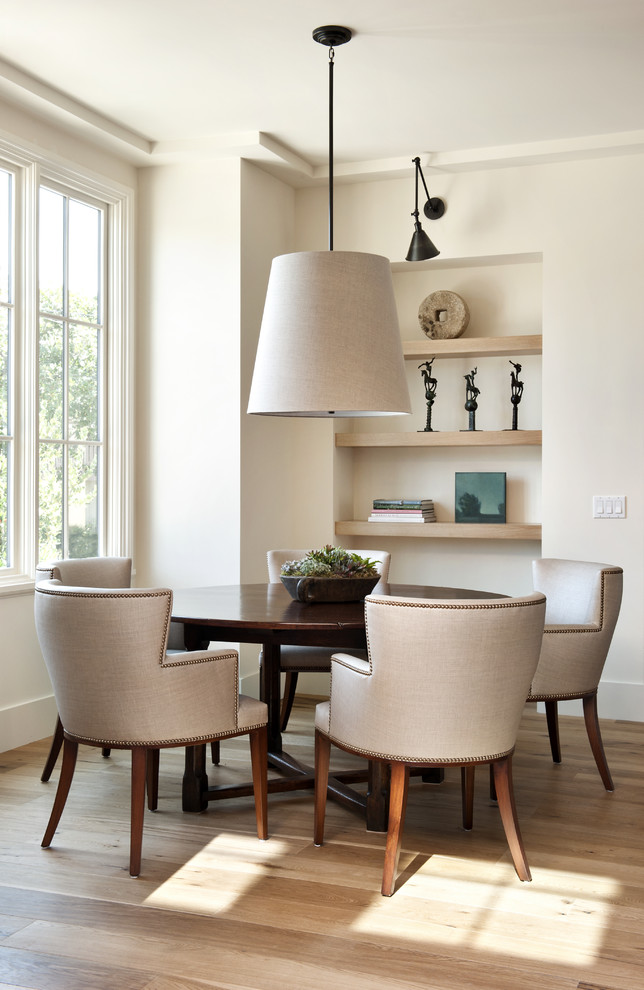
{"x": 92, "y": 572}
{"x": 115, "y": 685}
{"x": 584, "y": 600}
{"x": 444, "y": 684}
{"x": 311, "y": 659}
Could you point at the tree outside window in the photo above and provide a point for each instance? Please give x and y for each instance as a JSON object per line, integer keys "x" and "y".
{"x": 70, "y": 370}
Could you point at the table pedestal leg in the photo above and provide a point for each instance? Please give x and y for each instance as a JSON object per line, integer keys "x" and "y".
{"x": 194, "y": 793}
{"x": 269, "y": 691}
{"x": 377, "y": 812}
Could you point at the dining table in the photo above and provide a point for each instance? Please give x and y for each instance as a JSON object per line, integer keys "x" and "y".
{"x": 265, "y": 614}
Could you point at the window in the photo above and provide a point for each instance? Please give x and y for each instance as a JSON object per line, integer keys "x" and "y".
{"x": 70, "y": 376}
{"x": 65, "y": 389}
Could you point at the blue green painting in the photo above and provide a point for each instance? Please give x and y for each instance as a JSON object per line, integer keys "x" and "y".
{"x": 480, "y": 497}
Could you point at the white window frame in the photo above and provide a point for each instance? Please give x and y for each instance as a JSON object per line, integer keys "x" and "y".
{"x": 31, "y": 168}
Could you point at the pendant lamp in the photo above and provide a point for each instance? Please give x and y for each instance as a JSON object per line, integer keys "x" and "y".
{"x": 329, "y": 342}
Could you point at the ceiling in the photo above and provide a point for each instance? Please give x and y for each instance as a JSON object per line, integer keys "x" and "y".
{"x": 443, "y": 79}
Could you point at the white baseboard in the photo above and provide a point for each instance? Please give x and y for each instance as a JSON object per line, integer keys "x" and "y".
{"x": 26, "y": 723}
{"x": 614, "y": 700}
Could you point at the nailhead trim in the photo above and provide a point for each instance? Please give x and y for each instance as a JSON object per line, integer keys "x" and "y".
{"x": 163, "y": 743}
{"x": 419, "y": 761}
{"x": 208, "y": 659}
{"x": 569, "y": 696}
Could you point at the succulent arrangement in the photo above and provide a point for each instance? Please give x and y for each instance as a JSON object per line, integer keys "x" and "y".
{"x": 330, "y": 561}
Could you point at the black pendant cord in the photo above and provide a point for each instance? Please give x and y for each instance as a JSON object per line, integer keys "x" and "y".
{"x": 330, "y": 35}
{"x": 331, "y": 54}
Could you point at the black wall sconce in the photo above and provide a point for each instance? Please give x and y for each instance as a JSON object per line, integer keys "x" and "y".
{"x": 421, "y": 248}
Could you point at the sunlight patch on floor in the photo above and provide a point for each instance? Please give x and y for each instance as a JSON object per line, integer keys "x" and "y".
{"x": 218, "y": 875}
{"x": 498, "y": 913}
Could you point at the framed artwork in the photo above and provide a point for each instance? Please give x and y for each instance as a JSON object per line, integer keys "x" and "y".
{"x": 479, "y": 497}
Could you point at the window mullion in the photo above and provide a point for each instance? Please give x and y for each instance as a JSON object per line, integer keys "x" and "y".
{"x": 65, "y": 372}
{"x": 26, "y": 353}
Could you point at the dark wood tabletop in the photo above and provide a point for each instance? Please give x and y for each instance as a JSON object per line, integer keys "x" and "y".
{"x": 251, "y": 610}
{"x": 266, "y": 614}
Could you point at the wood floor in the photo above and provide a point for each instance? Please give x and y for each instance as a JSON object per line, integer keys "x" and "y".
{"x": 214, "y": 907}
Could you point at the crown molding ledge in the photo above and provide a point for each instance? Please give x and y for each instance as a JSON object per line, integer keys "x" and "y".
{"x": 267, "y": 152}
{"x": 29, "y": 93}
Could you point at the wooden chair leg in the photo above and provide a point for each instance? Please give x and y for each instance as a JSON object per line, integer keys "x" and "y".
{"x": 467, "y": 794}
{"x": 70, "y": 752}
{"x": 259, "y": 763}
{"x": 215, "y": 752}
{"x": 322, "y": 759}
{"x": 290, "y": 686}
{"x": 552, "y": 719}
{"x": 54, "y": 750}
{"x": 137, "y": 801}
{"x": 106, "y": 752}
{"x": 397, "y": 809}
{"x": 153, "y": 779}
{"x": 591, "y": 719}
{"x": 492, "y": 785}
{"x": 507, "y": 807}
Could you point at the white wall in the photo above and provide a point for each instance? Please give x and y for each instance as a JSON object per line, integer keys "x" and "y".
{"x": 593, "y": 355}
{"x": 187, "y": 522}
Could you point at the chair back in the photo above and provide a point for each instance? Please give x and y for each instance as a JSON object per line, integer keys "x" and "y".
{"x": 88, "y": 572}
{"x": 275, "y": 559}
{"x": 104, "y": 651}
{"x": 583, "y": 603}
{"x": 446, "y": 680}
{"x": 579, "y": 592}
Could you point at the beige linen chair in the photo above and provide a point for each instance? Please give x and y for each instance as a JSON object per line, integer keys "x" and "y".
{"x": 116, "y": 686}
{"x": 311, "y": 659}
{"x": 584, "y": 599}
{"x": 93, "y": 572}
{"x": 444, "y": 684}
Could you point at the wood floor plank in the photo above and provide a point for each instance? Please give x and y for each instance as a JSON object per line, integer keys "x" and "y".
{"x": 216, "y": 908}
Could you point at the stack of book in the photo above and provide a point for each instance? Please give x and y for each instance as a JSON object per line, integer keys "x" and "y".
{"x": 410, "y": 510}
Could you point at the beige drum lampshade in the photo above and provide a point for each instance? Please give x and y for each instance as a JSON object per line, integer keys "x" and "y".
{"x": 329, "y": 343}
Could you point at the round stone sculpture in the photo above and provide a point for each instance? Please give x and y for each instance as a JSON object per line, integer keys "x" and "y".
{"x": 443, "y": 315}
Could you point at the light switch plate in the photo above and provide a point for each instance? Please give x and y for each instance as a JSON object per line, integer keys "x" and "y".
{"x": 609, "y": 506}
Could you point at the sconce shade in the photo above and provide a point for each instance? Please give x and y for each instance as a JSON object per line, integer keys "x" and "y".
{"x": 329, "y": 343}
{"x": 421, "y": 248}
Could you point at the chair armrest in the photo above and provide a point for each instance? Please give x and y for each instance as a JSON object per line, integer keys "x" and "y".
{"x": 357, "y": 664}
{"x": 197, "y": 692}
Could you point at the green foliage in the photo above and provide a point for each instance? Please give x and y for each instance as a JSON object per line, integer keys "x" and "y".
{"x": 331, "y": 561}
{"x": 78, "y": 465}
{"x": 83, "y": 541}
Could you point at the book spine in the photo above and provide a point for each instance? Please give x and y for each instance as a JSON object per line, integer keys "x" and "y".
{"x": 403, "y": 514}
{"x": 399, "y": 519}
{"x": 408, "y": 504}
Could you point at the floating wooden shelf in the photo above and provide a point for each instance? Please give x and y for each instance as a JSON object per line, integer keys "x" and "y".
{"x": 424, "y": 350}
{"x": 462, "y": 438}
{"x": 448, "y": 531}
